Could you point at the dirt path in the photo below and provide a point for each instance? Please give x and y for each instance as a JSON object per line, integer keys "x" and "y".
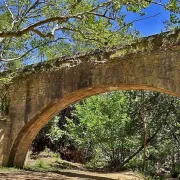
{"x": 65, "y": 175}
{"x": 101, "y": 176}
{"x": 28, "y": 175}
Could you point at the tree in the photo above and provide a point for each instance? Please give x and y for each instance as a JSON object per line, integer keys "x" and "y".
{"x": 111, "y": 125}
{"x": 53, "y": 135}
{"x": 31, "y": 31}
{"x": 104, "y": 125}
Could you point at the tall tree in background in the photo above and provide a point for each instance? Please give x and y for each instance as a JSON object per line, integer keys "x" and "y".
{"x": 35, "y": 30}
{"x": 112, "y": 124}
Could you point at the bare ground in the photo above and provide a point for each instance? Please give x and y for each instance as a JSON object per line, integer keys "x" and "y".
{"x": 65, "y": 175}
{"x": 62, "y": 170}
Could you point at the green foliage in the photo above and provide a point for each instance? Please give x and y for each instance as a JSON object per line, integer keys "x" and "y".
{"x": 50, "y": 137}
{"x": 33, "y": 31}
{"x": 104, "y": 124}
{"x": 54, "y": 132}
{"x": 40, "y": 164}
{"x": 5, "y": 21}
{"x": 110, "y": 129}
{"x": 173, "y": 5}
{"x": 173, "y": 23}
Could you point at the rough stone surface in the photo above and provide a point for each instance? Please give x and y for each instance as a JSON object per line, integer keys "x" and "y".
{"x": 39, "y": 92}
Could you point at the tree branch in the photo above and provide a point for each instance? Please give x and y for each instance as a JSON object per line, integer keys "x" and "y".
{"x": 75, "y": 30}
{"x": 7, "y": 7}
{"x": 136, "y": 20}
{"x": 73, "y": 6}
{"x": 31, "y": 7}
{"x": 31, "y": 28}
{"x": 102, "y": 15}
{"x": 41, "y": 34}
{"x": 27, "y": 52}
{"x": 27, "y": 10}
{"x": 160, "y": 4}
{"x": 52, "y": 19}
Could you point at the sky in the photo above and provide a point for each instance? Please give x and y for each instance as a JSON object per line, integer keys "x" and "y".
{"x": 152, "y": 25}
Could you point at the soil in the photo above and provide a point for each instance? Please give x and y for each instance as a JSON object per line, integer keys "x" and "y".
{"x": 62, "y": 170}
{"x": 65, "y": 175}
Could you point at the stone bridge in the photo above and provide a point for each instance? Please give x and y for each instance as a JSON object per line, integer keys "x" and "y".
{"x": 30, "y": 97}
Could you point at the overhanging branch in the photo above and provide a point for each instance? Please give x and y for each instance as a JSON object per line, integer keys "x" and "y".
{"x": 30, "y": 50}
{"x": 59, "y": 19}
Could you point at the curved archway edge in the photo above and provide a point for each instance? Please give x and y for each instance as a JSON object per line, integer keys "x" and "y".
{"x": 27, "y": 134}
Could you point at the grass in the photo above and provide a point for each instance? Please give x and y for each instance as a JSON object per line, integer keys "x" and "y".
{"x": 51, "y": 164}
{"x": 47, "y": 160}
{"x": 42, "y": 161}
{"x": 7, "y": 169}
{"x": 39, "y": 165}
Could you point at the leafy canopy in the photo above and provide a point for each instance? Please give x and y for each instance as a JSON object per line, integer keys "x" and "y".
{"x": 35, "y": 30}
{"x": 110, "y": 128}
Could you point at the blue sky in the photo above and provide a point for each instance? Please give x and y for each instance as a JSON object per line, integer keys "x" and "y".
{"x": 152, "y": 25}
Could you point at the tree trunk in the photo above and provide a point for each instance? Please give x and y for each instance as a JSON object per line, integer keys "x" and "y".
{"x": 141, "y": 148}
{"x": 145, "y": 134}
{"x": 138, "y": 151}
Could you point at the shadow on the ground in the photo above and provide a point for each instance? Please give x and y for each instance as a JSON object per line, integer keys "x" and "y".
{"x": 88, "y": 175}
{"x": 79, "y": 175}
{"x": 31, "y": 175}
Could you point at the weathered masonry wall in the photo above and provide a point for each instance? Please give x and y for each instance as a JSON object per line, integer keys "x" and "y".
{"x": 39, "y": 92}
{"x": 5, "y": 126}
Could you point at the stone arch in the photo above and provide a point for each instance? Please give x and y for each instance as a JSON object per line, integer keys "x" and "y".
{"x": 25, "y": 137}
{"x": 39, "y": 92}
